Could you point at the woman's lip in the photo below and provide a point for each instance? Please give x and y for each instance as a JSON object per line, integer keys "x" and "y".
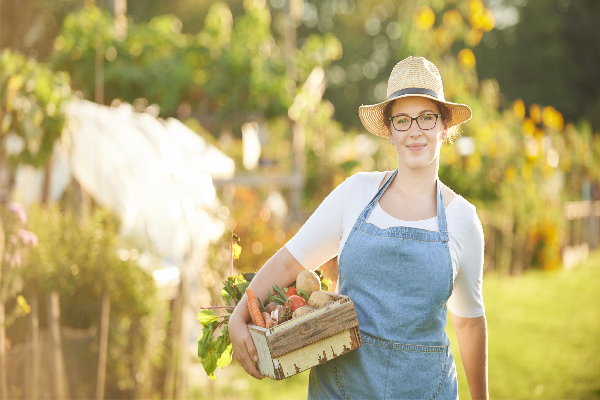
{"x": 415, "y": 147}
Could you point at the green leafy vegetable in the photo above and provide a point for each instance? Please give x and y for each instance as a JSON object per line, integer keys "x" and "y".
{"x": 214, "y": 346}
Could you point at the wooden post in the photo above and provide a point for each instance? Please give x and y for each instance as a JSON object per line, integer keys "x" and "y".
{"x": 32, "y": 373}
{"x": 174, "y": 349}
{"x": 103, "y": 346}
{"x": 99, "y": 73}
{"x": 3, "y": 382}
{"x": 57, "y": 364}
{"x": 294, "y": 12}
{"x": 120, "y": 10}
{"x": 183, "y": 360}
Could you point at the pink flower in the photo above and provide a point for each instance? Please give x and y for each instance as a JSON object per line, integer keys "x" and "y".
{"x": 28, "y": 238}
{"x": 18, "y": 210}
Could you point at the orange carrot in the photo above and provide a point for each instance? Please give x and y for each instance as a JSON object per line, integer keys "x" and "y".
{"x": 254, "y": 309}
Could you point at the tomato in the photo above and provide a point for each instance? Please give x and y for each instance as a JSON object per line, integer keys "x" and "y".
{"x": 295, "y": 301}
{"x": 291, "y": 291}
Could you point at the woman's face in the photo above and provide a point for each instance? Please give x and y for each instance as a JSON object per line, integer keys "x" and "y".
{"x": 417, "y": 148}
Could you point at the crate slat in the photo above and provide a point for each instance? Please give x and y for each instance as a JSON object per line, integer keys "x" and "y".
{"x": 309, "y": 340}
{"x": 322, "y": 326}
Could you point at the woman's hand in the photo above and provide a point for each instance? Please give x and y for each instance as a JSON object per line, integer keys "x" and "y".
{"x": 282, "y": 269}
{"x": 244, "y": 350}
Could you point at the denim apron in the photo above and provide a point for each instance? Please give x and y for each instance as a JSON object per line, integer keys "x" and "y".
{"x": 399, "y": 279}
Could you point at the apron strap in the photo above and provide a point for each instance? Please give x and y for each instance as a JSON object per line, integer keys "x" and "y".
{"x": 367, "y": 211}
{"x": 441, "y": 212}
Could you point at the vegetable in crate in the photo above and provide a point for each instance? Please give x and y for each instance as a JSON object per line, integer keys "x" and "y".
{"x": 295, "y": 302}
{"x": 214, "y": 346}
{"x": 308, "y": 281}
{"x": 254, "y": 309}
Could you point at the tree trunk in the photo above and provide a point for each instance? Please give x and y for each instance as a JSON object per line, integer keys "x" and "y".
{"x": 103, "y": 346}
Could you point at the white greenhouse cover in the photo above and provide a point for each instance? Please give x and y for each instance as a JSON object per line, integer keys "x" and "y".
{"x": 156, "y": 175}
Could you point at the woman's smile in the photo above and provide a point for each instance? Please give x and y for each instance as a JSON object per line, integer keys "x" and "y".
{"x": 416, "y": 146}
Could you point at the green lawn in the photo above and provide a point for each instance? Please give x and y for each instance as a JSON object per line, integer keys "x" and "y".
{"x": 544, "y": 342}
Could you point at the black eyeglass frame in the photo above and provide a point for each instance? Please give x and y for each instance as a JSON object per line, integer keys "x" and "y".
{"x": 437, "y": 116}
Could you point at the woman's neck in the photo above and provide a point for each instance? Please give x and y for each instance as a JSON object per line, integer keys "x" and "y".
{"x": 416, "y": 182}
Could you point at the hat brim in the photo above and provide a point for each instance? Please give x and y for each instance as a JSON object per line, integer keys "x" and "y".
{"x": 373, "y": 118}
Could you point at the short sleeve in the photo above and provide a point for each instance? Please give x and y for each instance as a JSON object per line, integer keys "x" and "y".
{"x": 317, "y": 241}
{"x": 467, "y": 297}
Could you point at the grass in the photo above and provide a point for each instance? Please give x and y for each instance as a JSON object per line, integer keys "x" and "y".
{"x": 544, "y": 342}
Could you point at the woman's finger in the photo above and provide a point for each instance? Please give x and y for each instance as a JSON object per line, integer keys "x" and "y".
{"x": 252, "y": 359}
{"x": 242, "y": 355}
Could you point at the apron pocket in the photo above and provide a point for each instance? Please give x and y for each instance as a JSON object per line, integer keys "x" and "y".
{"x": 417, "y": 372}
{"x": 362, "y": 373}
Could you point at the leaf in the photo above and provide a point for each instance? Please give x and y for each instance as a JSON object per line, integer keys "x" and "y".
{"x": 326, "y": 283}
{"x": 209, "y": 362}
{"x": 225, "y": 358}
{"x": 23, "y": 305}
{"x": 279, "y": 291}
{"x": 206, "y": 317}
{"x": 204, "y": 344}
{"x": 236, "y": 249}
{"x": 303, "y": 294}
{"x": 249, "y": 276}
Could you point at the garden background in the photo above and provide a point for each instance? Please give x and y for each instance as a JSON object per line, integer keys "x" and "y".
{"x": 273, "y": 86}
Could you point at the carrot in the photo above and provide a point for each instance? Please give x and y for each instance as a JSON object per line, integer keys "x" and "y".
{"x": 254, "y": 309}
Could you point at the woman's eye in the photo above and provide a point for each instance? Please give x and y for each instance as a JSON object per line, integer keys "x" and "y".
{"x": 426, "y": 117}
{"x": 403, "y": 120}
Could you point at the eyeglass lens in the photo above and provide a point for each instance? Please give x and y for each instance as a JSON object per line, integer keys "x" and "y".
{"x": 404, "y": 122}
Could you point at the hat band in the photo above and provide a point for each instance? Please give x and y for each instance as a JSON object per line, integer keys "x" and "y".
{"x": 406, "y": 91}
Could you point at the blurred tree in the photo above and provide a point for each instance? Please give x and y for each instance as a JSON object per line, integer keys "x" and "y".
{"x": 550, "y": 56}
{"x": 31, "y": 116}
{"x": 31, "y": 26}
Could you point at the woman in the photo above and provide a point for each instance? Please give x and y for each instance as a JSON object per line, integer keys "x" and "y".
{"x": 408, "y": 249}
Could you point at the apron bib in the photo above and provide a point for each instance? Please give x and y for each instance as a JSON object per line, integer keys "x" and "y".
{"x": 400, "y": 279}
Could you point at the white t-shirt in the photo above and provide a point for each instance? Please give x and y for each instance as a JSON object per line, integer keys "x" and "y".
{"x": 323, "y": 235}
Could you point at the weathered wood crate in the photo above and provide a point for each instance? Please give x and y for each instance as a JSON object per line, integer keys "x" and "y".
{"x": 311, "y": 339}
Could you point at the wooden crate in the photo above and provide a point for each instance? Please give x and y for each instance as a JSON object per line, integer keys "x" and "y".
{"x": 311, "y": 339}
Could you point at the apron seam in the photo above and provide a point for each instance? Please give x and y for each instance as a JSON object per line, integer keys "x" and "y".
{"x": 387, "y": 375}
{"x": 398, "y": 237}
{"x": 336, "y": 373}
{"x": 445, "y": 376}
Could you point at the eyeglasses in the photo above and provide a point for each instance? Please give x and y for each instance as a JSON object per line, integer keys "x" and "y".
{"x": 424, "y": 121}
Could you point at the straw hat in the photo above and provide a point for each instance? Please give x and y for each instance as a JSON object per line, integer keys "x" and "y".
{"x": 413, "y": 76}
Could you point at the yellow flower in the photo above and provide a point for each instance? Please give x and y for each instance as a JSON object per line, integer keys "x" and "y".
{"x": 518, "y": 109}
{"x": 442, "y": 37}
{"x": 473, "y": 37}
{"x": 553, "y": 118}
{"x": 452, "y": 18}
{"x": 476, "y": 7}
{"x": 482, "y": 20}
{"x": 466, "y": 58}
{"x": 529, "y": 126}
{"x": 535, "y": 113}
{"x": 425, "y": 18}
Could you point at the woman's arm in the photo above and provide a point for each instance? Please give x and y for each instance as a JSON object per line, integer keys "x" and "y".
{"x": 281, "y": 269}
{"x": 472, "y": 342}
